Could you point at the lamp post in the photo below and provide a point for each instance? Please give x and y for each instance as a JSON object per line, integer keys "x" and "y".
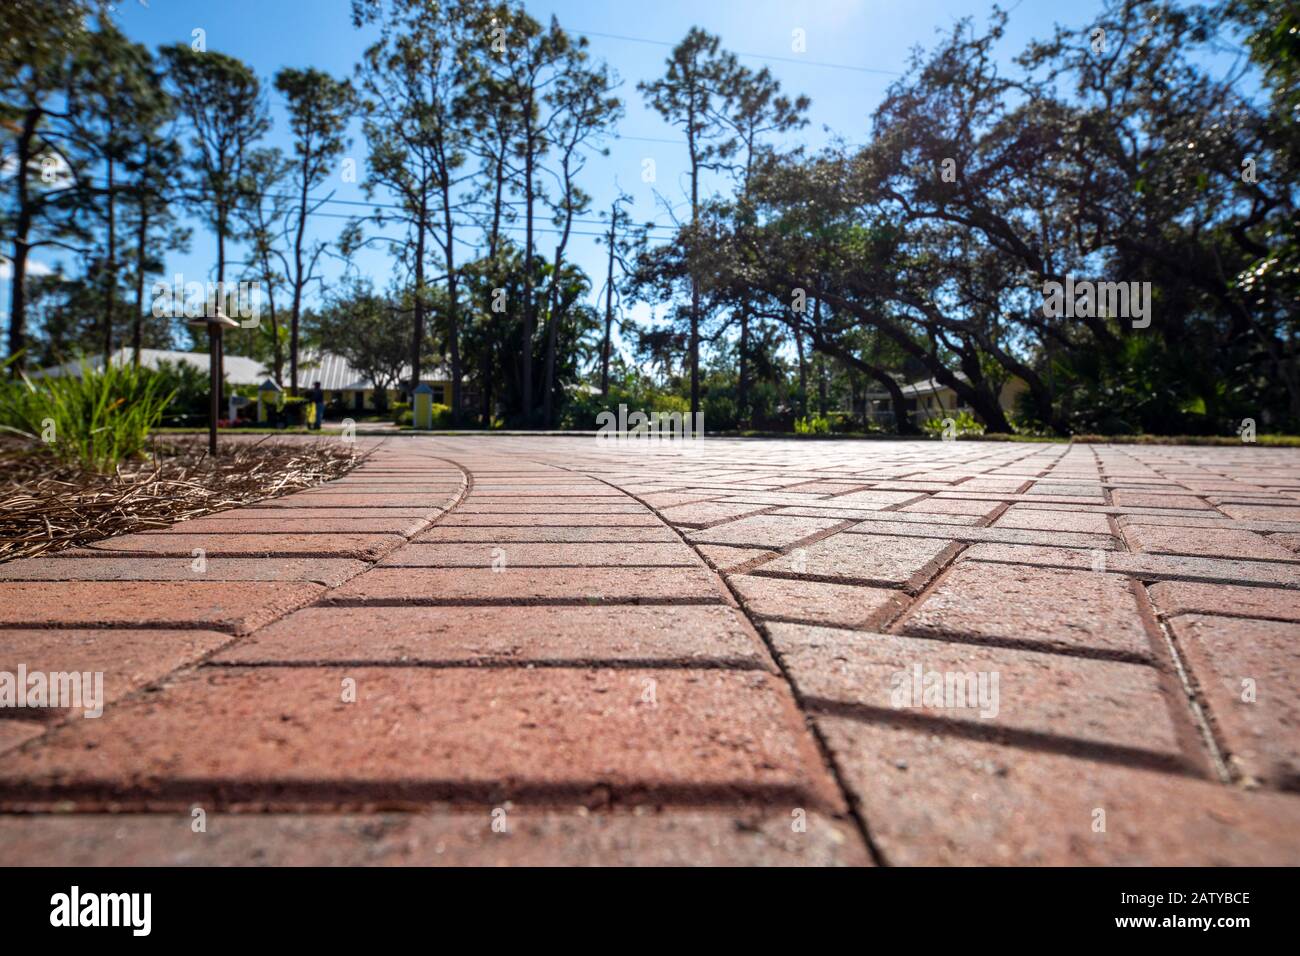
{"x": 215, "y": 323}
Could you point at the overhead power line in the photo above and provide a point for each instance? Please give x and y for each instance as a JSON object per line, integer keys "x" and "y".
{"x": 752, "y": 56}
{"x": 376, "y": 205}
{"x": 479, "y": 225}
{"x": 319, "y": 200}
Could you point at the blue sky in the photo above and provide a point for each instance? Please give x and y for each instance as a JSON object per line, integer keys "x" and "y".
{"x": 855, "y": 48}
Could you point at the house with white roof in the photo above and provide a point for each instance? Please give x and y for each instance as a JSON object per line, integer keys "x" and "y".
{"x": 343, "y": 385}
{"x": 239, "y": 370}
{"x": 932, "y": 399}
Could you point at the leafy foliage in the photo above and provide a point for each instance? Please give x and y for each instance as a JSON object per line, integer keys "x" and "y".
{"x": 815, "y": 425}
{"x": 955, "y": 425}
{"x": 98, "y": 419}
{"x": 796, "y": 288}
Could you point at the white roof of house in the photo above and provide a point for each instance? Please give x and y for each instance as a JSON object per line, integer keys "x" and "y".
{"x": 332, "y": 371}
{"x": 917, "y": 389}
{"x": 239, "y": 369}
{"x": 336, "y": 375}
{"x": 928, "y": 387}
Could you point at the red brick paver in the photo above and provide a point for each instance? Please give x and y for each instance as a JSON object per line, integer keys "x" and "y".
{"x": 276, "y": 737}
{"x": 537, "y": 650}
{"x": 238, "y": 608}
{"x": 1247, "y": 673}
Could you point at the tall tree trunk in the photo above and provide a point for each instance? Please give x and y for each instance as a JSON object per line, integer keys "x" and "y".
{"x": 277, "y": 350}
{"x": 527, "y": 345}
{"x": 823, "y": 373}
{"x": 453, "y": 309}
{"x": 742, "y": 379}
{"x": 695, "y": 287}
{"x": 141, "y": 255}
{"x": 22, "y": 230}
{"x": 417, "y": 337}
{"x": 903, "y": 423}
{"x": 984, "y": 404}
{"x": 609, "y": 304}
{"x": 553, "y": 309}
{"x": 803, "y": 374}
{"x": 18, "y": 299}
{"x": 552, "y": 336}
{"x": 494, "y": 238}
{"x": 487, "y": 374}
{"x": 298, "y": 282}
{"x": 695, "y": 349}
{"x": 110, "y": 266}
{"x": 221, "y": 297}
{"x": 854, "y": 363}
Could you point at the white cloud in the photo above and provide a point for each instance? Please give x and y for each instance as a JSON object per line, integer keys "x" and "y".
{"x": 34, "y": 268}
{"x": 59, "y": 174}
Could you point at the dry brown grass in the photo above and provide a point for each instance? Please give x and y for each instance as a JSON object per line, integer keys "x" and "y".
{"x": 46, "y": 505}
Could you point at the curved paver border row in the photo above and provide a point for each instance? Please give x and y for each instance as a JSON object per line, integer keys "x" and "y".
{"x": 121, "y": 594}
{"x": 723, "y": 582}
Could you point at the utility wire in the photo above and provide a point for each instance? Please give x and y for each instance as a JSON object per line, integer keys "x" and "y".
{"x": 318, "y": 200}
{"x": 751, "y": 56}
{"x": 376, "y": 205}
{"x": 479, "y": 225}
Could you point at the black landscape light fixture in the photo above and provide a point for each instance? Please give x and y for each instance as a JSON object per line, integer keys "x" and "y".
{"x": 216, "y": 322}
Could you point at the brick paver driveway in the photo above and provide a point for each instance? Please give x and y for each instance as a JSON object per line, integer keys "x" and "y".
{"x": 498, "y": 649}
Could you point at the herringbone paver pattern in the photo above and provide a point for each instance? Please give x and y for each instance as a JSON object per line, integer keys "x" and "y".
{"x": 492, "y": 649}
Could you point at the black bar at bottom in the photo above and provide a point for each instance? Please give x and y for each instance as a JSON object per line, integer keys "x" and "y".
{"x": 216, "y": 905}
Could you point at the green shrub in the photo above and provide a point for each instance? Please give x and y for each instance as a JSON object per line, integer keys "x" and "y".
{"x": 581, "y": 408}
{"x": 293, "y": 410}
{"x": 843, "y": 423}
{"x": 441, "y": 416}
{"x": 812, "y": 425}
{"x": 964, "y": 423}
{"x": 98, "y": 420}
{"x": 720, "y": 411}
{"x": 189, "y": 387}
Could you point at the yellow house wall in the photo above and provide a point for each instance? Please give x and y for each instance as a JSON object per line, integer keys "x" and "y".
{"x": 946, "y": 400}
{"x": 395, "y": 395}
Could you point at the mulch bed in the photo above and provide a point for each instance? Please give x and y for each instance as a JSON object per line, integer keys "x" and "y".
{"x": 46, "y": 505}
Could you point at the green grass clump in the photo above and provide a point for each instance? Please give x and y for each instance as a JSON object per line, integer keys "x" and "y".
{"x": 98, "y": 419}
